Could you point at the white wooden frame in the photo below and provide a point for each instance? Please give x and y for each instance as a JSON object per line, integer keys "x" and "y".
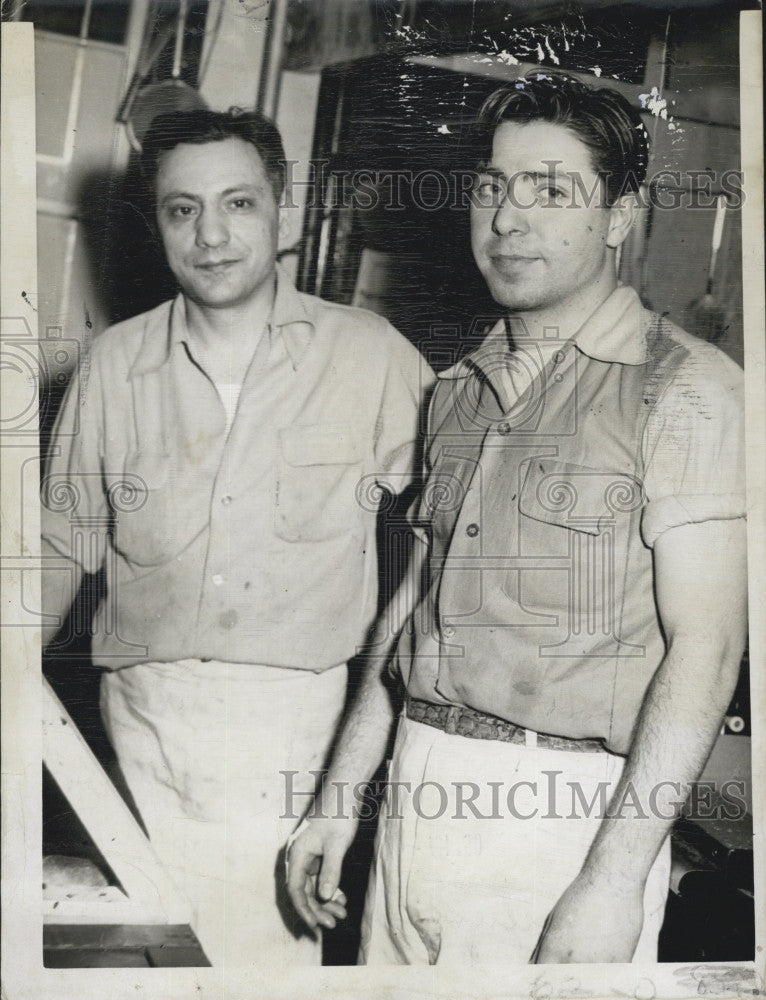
{"x": 148, "y": 896}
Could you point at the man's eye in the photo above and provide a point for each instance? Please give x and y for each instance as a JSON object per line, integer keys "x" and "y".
{"x": 181, "y": 211}
{"x": 488, "y": 190}
{"x": 241, "y": 203}
{"x": 552, "y": 192}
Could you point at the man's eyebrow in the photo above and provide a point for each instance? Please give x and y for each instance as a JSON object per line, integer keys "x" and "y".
{"x": 546, "y": 175}
{"x": 486, "y": 168}
{"x": 172, "y": 195}
{"x": 237, "y": 188}
{"x": 247, "y": 188}
{"x": 536, "y": 175}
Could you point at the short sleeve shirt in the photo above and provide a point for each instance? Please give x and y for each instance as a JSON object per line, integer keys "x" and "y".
{"x": 487, "y": 654}
{"x": 254, "y": 544}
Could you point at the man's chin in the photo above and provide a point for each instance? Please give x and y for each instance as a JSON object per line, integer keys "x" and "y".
{"x": 207, "y": 298}
{"x": 510, "y": 294}
{"x": 513, "y": 299}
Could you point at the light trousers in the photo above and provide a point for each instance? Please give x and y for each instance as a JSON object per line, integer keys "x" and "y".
{"x": 472, "y": 883}
{"x": 204, "y": 747}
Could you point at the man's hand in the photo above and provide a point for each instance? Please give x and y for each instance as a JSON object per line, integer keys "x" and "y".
{"x": 593, "y": 922}
{"x": 315, "y": 856}
{"x": 314, "y": 863}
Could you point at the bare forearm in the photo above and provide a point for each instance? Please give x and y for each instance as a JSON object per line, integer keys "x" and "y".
{"x": 700, "y": 583}
{"x": 363, "y": 739}
{"x": 675, "y": 732}
{"x": 365, "y": 733}
{"x": 700, "y": 587}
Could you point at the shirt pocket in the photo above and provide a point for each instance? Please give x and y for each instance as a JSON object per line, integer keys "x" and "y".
{"x": 162, "y": 515}
{"x": 444, "y": 493}
{"x": 569, "y": 519}
{"x": 318, "y": 471}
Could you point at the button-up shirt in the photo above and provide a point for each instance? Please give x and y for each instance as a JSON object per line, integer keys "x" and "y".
{"x": 552, "y": 470}
{"x": 253, "y": 544}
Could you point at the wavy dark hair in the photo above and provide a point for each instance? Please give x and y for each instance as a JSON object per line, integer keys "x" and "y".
{"x": 600, "y": 117}
{"x": 202, "y": 126}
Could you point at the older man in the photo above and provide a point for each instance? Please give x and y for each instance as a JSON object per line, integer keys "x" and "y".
{"x": 579, "y": 632}
{"x": 214, "y": 457}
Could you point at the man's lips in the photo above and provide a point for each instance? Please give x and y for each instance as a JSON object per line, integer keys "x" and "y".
{"x": 216, "y": 265}
{"x": 513, "y": 257}
{"x": 511, "y": 263}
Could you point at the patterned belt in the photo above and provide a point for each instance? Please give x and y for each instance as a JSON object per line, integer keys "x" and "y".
{"x": 458, "y": 721}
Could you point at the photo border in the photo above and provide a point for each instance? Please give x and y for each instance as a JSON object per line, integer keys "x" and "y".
{"x": 23, "y": 974}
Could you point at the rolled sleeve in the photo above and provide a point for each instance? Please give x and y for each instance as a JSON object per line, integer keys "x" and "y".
{"x": 397, "y": 437}
{"x": 74, "y": 508}
{"x": 694, "y": 450}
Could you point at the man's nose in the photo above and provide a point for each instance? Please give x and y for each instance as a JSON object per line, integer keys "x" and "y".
{"x": 212, "y": 228}
{"x": 512, "y": 214}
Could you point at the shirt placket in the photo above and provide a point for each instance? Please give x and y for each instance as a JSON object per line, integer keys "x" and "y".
{"x": 478, "y": 545}
{"x": 220, "y": 600}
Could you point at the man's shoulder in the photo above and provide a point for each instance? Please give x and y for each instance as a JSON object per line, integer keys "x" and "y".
{"x": 695, "y": 384}
{"x": 353, "y": 326}
{"x": 694, "y": 360}
{"x": 124, "y": 339}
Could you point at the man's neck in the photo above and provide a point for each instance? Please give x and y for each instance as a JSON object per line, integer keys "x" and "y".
{"x": 566, "y": 318}
{"x": 224, "y": 341}
{"x": 219, "y": 331}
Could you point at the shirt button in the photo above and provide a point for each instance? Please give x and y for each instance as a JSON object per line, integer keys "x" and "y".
{"x": 217, "y": 580}
{"x": 226, "y": 500}
{"x": 504, "y": 428}
{"x": 448, "y": 631}
{"x": 472, "y": 530}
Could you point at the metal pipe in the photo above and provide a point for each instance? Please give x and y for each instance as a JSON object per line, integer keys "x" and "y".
{"x": 271, "y": 66}
{"x": 178, "y": 50}
{"x": 85, "y": 22}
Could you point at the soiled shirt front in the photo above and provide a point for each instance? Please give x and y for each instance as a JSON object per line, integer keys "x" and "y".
{"x": 255, "y": 545}
{"x": 552, "y": 471}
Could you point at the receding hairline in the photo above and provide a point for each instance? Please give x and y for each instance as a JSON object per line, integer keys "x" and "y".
{"x": 205, "y": 127}
{"x": 161, "y": 153}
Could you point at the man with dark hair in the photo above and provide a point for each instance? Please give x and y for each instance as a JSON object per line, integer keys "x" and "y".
{"x": 579, "y": 624}
{"x": 602, "y": 119}
{"x": 203, "y": 126}
{"x": 213, "y": 457}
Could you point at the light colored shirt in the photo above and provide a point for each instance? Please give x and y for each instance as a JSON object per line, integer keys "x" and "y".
{"x": 252, "y": 546}
{"x": 552, "y": 472}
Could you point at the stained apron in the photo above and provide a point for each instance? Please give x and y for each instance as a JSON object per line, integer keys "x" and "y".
{"x": 203, "y": 747}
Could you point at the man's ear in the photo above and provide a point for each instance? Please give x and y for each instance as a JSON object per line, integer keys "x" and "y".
{"x": 623, "y": 215}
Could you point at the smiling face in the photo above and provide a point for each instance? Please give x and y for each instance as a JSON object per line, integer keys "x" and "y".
{"x": 544, "y": 247}
{"x": 219, "y": 221}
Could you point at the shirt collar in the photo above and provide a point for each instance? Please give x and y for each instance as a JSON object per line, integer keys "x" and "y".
{"x": 166, "y": 327}
{"x": 617, "y": 330}
{"x": 291, "y": 318}
{"x": 162, "y": 328}
{"x": 614, "y": 332}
